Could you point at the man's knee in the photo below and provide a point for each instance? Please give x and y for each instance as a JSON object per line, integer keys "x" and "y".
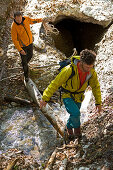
{"x": 75, "y": 121}
{"x": 75, "y": 113}
{"x": 29, "y": 55}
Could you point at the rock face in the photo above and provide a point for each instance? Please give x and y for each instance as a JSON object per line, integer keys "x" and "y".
{"x": 104, "y": 65}
{"x": 89, "y": 20}
{"x": 97, "y": 12}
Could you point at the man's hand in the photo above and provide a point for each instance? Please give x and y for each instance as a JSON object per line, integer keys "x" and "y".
{"x": 98, "y": 108}
{"x": 23, "y": 52}
{"x": 42, "y": 104}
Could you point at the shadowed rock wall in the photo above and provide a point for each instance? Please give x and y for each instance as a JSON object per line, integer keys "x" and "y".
{"x": 76, "y": 34}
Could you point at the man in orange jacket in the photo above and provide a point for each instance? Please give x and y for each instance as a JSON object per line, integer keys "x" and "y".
{"x": 22, "y": 38}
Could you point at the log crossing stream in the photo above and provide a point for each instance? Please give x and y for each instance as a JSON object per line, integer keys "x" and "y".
{"x": 29, "y": 130}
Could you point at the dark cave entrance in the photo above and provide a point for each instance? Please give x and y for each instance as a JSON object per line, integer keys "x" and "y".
{"x": 76, "y": 34}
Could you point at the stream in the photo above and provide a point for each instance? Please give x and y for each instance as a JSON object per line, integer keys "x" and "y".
{"x": 28, "y": 130}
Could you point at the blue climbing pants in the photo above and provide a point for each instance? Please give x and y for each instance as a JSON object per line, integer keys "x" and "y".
{"x": 73, "y": 108}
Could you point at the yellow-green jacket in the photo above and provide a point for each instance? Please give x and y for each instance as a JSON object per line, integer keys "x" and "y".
{"x": 63, "y": 76}
{"x": 21, "y": 33}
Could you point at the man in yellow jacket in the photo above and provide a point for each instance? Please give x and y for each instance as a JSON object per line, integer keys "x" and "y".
{"x": 22, "y": 38}
{"x": 73, "y": 88}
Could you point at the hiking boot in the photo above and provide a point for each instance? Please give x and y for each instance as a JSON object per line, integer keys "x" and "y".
{"x": 26, "y": 79}
{"x": 77, "y": 133}
{"x": 69, "y": 131}
{"x": 68, "y": 135}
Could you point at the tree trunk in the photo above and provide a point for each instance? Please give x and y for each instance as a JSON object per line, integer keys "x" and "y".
{"x": 11, "y": 164}
{"x": 51, "y": 160}
{"x": 17, "y": 100}
{"x": 47, "y": 111}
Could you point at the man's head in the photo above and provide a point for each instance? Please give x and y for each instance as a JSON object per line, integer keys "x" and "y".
{"x": 87, "y": 58}
{"x": 18, "y": 17}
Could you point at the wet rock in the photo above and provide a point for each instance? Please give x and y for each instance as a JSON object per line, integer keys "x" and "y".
{"x": 39, "y": 44}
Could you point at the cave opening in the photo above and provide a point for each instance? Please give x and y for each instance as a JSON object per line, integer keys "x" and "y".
{"x": 76, "y": 34}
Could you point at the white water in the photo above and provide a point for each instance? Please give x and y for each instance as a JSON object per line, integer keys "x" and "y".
{"x": 30, "y": 131}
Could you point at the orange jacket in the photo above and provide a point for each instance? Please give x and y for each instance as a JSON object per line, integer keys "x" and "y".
{"x": 21, "y": 33}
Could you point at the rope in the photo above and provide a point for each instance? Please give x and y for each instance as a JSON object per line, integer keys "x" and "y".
{"x": 49, "y": 28}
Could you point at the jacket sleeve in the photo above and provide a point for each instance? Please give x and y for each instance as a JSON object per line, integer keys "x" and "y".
{"x": 94, "y": 83}
{"x": 14, "y": 38}
{"x": 33, "y": 21}
{"x": 56, "y": 83}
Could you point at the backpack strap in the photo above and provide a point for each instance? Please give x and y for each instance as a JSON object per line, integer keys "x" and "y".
{"x": 67, "y": 91}
{"x": 64, "y": 63}
{"x": 70, "y": 77}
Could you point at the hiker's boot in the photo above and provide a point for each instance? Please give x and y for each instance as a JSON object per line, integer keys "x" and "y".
{"x": 26, "y": 79}
{"x": 77, "y": 133}
{"x": 69, "y": 136}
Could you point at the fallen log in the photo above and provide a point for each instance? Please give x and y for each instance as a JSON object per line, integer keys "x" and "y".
{"x": 67, "y": 147}
{"x": 11, "y": 76}
{"x": 44, "y": 66}
{"x": 17, "y": 100}
{"x": 51, "y": 160}
{"x": 47, "y": 111}
{"x": 11, "y": 164}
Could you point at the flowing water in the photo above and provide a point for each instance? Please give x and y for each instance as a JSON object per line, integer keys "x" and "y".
{"x": 28, "y": 129}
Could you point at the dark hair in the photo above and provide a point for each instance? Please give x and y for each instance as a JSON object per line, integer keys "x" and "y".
{"x": 18, "y": 13}
{"x": 88, "y": 56}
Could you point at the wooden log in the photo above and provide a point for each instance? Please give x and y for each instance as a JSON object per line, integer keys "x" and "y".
{"x": 47, "y": 111}
{"x": 51, "y": 160}
{"x": 11, "y": 76}
{"x": 17, "y": 100}
{"x": 67, "y": 147}
{"x": 11, "y": 164}
{"x": 44, "y": 66}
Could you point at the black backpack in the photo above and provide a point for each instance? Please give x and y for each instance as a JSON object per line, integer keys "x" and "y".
{"x": 63, "y": 64}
